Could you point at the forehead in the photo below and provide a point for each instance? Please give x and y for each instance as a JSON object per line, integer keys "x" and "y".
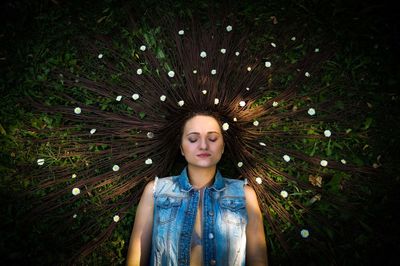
{"x": 202, "y": 123}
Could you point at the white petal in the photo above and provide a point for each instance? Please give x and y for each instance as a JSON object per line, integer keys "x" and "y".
{"x": 204, "y": 92}
{"x": 327, "y": 133}
{"x": 150, "y": 135}
{"x": 343, "y": 161}
{"x": 139, "y": 71}
{"x": 119, "y": 98}
{"x": 262, "y": 144}
{"x": 77, "y": 110}
{"x": 323, "y": 163}
{"x": 195, "y": 71}
{"x": 213, "y": 72}
{"x": 228, "y": 28}
{"x": 247, "y": 89}
{"x": 307, "y": 74}
{"x": 76, "y": 191}
{"x": 293, "y": 38}
{"x": 286, "y": 158}
{"x": 73, "y": 176}
{"x": 225, "y": 126}
{"x": 74, "y": 216}
{"x": 181, "y": 32}
{"x": 311, "y": 111}
{"x": 115, "y": 168}
{"x": 304, "y": 233}
{"x": 143, "y": 48}
{"x": 234, "y": 119}
{"x": 242, "y": 103}
{"x": 171, "y": 74}
{"x": 148, "y": 161}
{"x": 181, "y": 103}
{"x": 135, "y": 96}
{"x": 275, "y": 104}
{"x": 273, "y": 44}
{"x": 316, "y": 50}
{"x": 237, "y": 53}
{"x": 92, "y": 131}
{"x": 223, "y": 51}
{"x": 163, "y": 98}
{"x": 267, "y": 64}
{"x": 216, "y": 101}
{"x": 240, "y": 164}
{"x": 284, "y": 194}
{"x": 249, "y": 69}
{"x": 40, "y": 161}
{"x": 203, "y": 54}
{"x": 259, "y": 180}
{"x": 256, "y": 123}
{"x": 100, "y": 56}
{"x": 116, "y": 218}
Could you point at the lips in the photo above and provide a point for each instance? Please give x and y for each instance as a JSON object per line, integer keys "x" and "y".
{"x": 203, "y": 155}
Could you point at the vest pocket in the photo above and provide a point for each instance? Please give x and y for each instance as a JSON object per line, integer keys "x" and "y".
{"x": 233, "y": 210}
{"x": 167, "y": 208}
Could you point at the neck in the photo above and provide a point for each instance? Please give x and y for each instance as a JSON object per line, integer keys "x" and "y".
{"x": 200, "y": 177}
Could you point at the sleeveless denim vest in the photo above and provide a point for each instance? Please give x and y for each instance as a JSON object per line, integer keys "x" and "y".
{"x": 224, "y": 220}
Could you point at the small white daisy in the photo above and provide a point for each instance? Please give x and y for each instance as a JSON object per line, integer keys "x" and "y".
{"x": 139, "y": 71}
{"x": 163, "y": 98}
{"x": 247, "y": 89}
{"x": 234, "y": 119}
{"x": 316, "y": 50}
{"x": 225, "y": 126}
{"x": 171, "y": 74}
{"x": 242, "y": 103}
{"x": 259, "y": 180}
{"x": 100, "y": 56}
{"x": 92, "y": 131}
{"x": 223, "y": 51}
{"x": 216, "y": 101}
{"x": 76, "y": 191}
{"x": 203, "y": 54}
{"x": 293, "y": 38}
{"x": 119, "y": 98}
{"x": 204, "y": 92}
{"x": 284, "y": 194}
{"x": 327, "y": 133}
{"x": 148, "y": 161}
{"x": 237, "y": 53}
{"x": 73, "y": 176}
{"x": 240, "y": 164}
{"x": 135, "y": 96}
{"x": 213, "y": 72}
{"x": 249, "y": 69}
{"x": 40, "y": 161}
{"x": 150, "y": 135}
{"x": 307, "y": 74}
{"x": 286, "y": 158}
{"x": 275, "y": 104}
{"x": 228, "y": 28}
{"x": 343, "y": 161}
{"x": 304, "y": 233}
{"x": 74, "y": 216}
{"x": 323, "y": 163}
{"x": 116, "y": 218}
{"x": 142, "y": 48}
{"x": 195, "y": 71}
{"x": 262, "y": 144}
{"x": 181, "y": 32}
{"x": 267, "y": 64}
{"x": 311, "y": 111}
{"x": 256, "y": 123}
{"x": 77, "y": 110}
{"x": 181, "y": 103}
{"x": 115, "y": 168}
{"x": 273, "y": 44}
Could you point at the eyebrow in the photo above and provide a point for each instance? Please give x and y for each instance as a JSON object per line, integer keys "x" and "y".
{"x": 197, "y": 133}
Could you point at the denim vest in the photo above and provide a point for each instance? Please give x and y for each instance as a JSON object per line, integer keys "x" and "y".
{"x": 224, "y": 221}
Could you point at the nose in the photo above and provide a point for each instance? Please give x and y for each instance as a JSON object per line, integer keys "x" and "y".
{"x": 203, "y": 144}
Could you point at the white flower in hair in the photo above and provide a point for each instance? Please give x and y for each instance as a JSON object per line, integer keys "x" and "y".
{"x": 148, "y": 161}
{"x": 225, "y": 126}
{"x": 304, "y": 233}
{"x": 115, "y": 168}
{"x": 343, "y": 161}
{"x": 275, "y": 104}
{"x": 213, "y": 72}
{"x": 150, "y": 135}
{"x": 116, "y": 218}
{"x": 203, "y": 54}
{"x": 242, "y": 103}
{"x": 247, "y": 89}
{"x": 216, "y": 101}
{"x": 286, "y": 158}
{"x": 40, "y": 161}
{"x": 237, "y": 53}
{"x": 142, "y": 48}
{"x": 234, "y": 119}
{"x": 259, "y": 180}
{"x": 249, "y": 69}
{"x": 327, "y": 133}
{"x": 163, "y": 98}
{"x": 181, "y": 32}
{"x": 311, "y": 111}
{"x": 267, "y": 64}
{"x": 240, "y": 164}
{"x": 77, "y": 110}
{"x": 171, "y": 74}
{"x": 100, "y": 56}
{"x": 195, "y": 71}
{"x": 307, "y": 74}
{"x": 223, "y": 51}
{"x": 273, "y": 44}
{"x": 204, "y": 92}
{"x": 139, "y": 71}
{"x": 293, "y": 38}
{"x": 74, "y": 216}
{"x": 118, "y": 99}
{"x": 256, "y": 123}
{"x": 228, "y": 28}
{"x": 181, "y": 103}
{"x": 73, "y": 176}
{"x": 316, "y": 50}
{"x": 284, "y": 194}
{"x": 92, "y": 131}
{"x": 135, "y": 96}
{"x": 76, "y": 191}
{"x": 262, "y": 144}
{"x": 324, "y": 163}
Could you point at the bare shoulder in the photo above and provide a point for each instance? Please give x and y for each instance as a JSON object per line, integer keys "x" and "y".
{"x": 250, "y": 194}
{"x": 148, "y": 190}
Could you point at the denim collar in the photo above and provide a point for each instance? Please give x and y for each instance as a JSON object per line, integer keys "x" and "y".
{"x": 219, "y": 183}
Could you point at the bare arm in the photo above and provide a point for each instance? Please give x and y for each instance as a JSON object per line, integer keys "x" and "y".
{"x": 140, "y": 242}
{"x": 256, "y": 247}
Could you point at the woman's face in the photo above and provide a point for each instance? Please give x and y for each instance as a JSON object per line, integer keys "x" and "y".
{"x": 202, "y": 142}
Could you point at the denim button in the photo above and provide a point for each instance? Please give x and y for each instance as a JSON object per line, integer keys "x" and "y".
{"x": 213, "y": 262}
{"x": 211, "y": 213}
{"x": 210, "y": 236}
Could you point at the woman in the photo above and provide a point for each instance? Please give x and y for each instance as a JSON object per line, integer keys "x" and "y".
{"x": 198, "y": 217}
